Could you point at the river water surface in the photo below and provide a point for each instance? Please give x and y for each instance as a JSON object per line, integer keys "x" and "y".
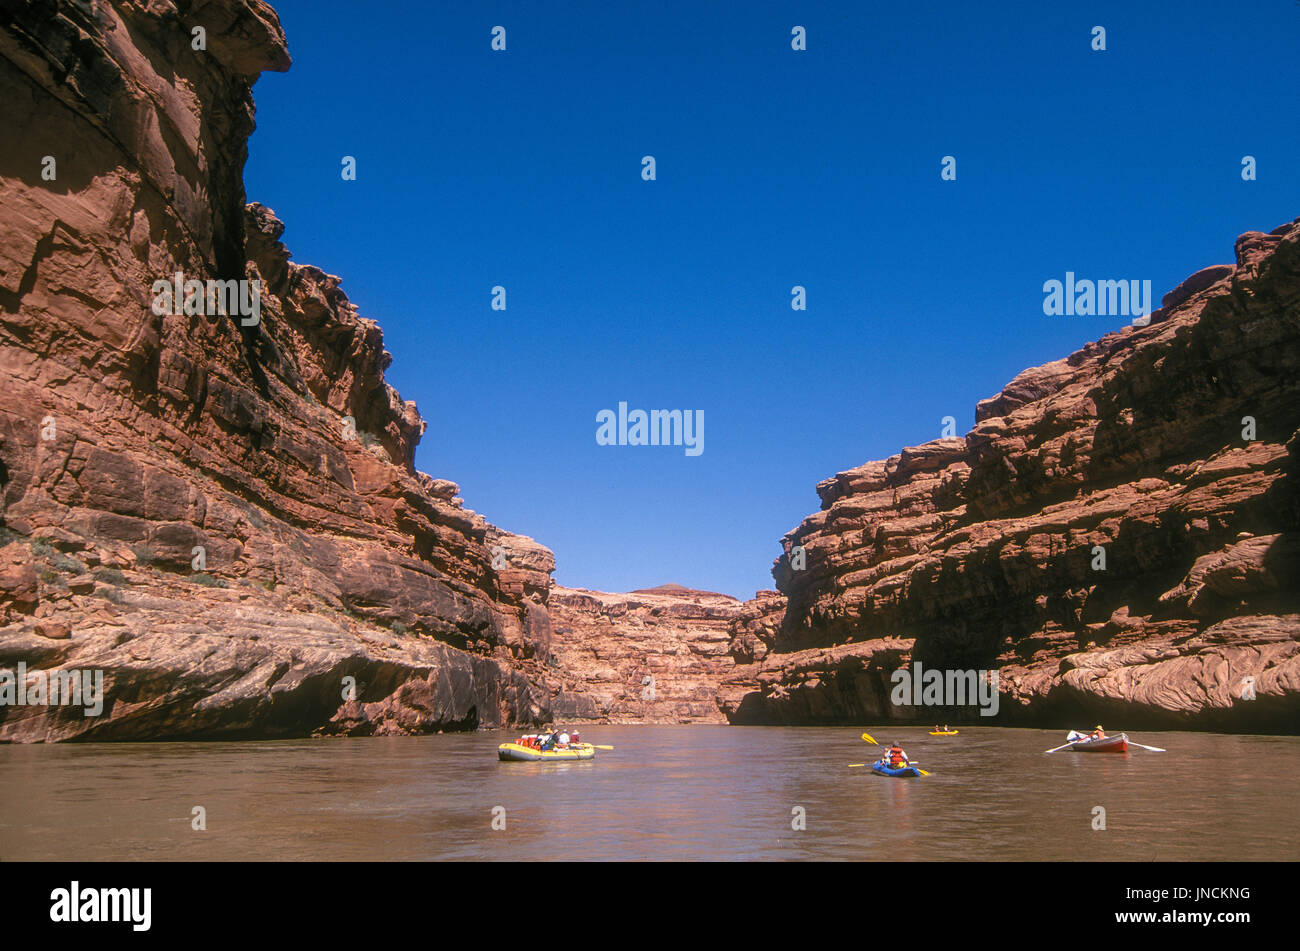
{"x": 677, "y": 792}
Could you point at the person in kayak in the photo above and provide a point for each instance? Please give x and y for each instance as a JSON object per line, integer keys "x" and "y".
{"x": 895, "y": 757}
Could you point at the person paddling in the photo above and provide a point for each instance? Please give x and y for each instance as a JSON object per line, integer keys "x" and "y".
{"x": 895, "y": 757}
{"x": 1097, "y": 734}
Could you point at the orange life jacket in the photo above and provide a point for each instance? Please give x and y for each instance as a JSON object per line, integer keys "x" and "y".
{"x": 895, "y": 757}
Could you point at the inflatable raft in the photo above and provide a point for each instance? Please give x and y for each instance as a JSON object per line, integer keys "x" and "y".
{"x": 903, "y": 772}
{"x": 518, "y": 753}
{"x": 943, "y": 732}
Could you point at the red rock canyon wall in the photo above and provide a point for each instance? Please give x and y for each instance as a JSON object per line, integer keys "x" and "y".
{"x": 979, "y": 552}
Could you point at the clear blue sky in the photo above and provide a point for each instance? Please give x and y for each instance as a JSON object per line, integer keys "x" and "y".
{"x": 775, "y": 168}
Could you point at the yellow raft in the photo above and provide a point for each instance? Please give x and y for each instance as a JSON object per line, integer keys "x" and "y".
{"x": 518, "y": 753}
{"x": 944, "y": 733}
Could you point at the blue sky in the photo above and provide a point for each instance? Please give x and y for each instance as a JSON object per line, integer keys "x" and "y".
{"x": 775, "y": 168}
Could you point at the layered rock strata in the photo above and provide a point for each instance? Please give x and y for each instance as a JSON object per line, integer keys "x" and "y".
{"x": 1117, "y": 536}
{"x": 660, "y": 655}
{"x": 220, "y": 513}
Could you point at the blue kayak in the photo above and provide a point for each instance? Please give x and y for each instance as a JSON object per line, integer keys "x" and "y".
{"x": 905, "y": 771}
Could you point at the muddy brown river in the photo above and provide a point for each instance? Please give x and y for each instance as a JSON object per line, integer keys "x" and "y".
{"x": 688, "y": 792}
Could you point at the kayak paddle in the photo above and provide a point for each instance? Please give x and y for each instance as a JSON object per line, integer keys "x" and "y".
{"x": 870, "y": 739}
{"x": 913, "y": 765}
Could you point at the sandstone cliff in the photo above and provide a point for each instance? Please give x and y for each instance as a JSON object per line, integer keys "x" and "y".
{"x": 660, "y": 655}
{"x": 223, "y": 516}
{"x": 982, "y": 552}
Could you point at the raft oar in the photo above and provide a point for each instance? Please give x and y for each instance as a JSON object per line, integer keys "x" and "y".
{"x": 597, "y": 746}
{"x": 1073, "y": 736}
{"x": 1153, "y": 749}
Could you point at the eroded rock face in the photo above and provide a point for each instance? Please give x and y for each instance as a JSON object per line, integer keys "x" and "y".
{"x": 146, "y": 458}
{"x": 982, "y": 552}
{"x": 660, "y": 655}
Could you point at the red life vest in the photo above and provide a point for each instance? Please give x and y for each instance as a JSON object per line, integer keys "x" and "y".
{"x": 895, "y": 757}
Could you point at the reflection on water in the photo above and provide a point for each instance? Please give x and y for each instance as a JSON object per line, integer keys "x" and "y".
{"x": 694, "y": 792}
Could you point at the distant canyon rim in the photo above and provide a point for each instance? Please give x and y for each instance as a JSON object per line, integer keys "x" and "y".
{"x": 226, "y": 520}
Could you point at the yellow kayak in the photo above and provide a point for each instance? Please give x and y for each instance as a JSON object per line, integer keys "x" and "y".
{"x": 517, "y": 753}
{"x": 944, "y": 733}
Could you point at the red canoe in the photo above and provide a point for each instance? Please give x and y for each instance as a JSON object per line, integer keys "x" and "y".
{"x": 1111, "y": 744}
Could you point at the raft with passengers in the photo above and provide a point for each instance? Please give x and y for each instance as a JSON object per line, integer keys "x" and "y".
{"x": 553, "y": 746}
